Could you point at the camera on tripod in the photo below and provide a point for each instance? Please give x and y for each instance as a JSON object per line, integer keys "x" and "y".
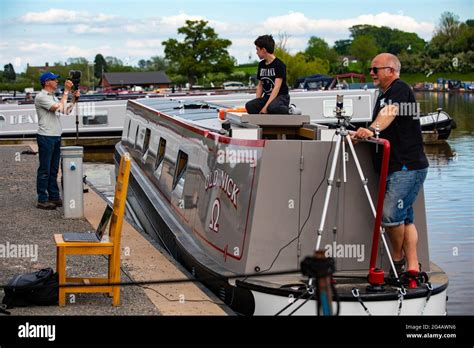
{"x": 75, "y": 76}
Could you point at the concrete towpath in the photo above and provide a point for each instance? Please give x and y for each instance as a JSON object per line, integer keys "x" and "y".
{"x": 23, "y": 226}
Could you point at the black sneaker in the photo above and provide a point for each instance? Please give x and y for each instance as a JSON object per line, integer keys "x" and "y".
{"x": 399, "y": 266}
{"x": 46, "y": 205}
{"x": 293, "y": 110}
{"x": 56, "y": 202}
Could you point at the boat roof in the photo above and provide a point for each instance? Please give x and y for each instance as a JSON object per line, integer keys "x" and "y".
{"x": 200, "y": 113}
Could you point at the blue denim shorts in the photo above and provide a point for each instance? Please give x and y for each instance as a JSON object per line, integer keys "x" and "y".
{"x": 400, "y": 194}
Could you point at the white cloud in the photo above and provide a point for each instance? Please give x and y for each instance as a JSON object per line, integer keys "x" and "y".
{"x": 37, "y": 53}
{"x": 61, "y": 16}
{"x": 57, "y": 51}
{"x": 178, "y": 20}
{"x": 87, "y": 29}
{"x": 134, "y": 39}
{"x": 144, "y": 48}
{"x": 39, "y": 47}
{"x": 170, "y": 24}
{"x": 151, "y": 43}
{"x": 297, "y": 23}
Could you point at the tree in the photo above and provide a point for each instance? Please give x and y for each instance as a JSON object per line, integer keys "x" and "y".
{"x": 201, "y": 52}
{"x": 364, "y": 48}
{"x": 9, "y": 72}
{"x": 448, "y": 25}
{"x": 155, "y": 63}
{"x": 390, "y": 40}
{"x": 113, "y": 61}
{"x": 100, "y": 65}
{"x": 159, "y": 63}
{"x": 77, "y": 60}
{"x": 318, "y": 48}
{"x": 382, "y": 36}
{"x": 342, "y": 47}
{"x": 451, "y": 36}
{"x": 297, "y": 65}
{"x": 143, "y": 64}
{"x": 282, "y": 40}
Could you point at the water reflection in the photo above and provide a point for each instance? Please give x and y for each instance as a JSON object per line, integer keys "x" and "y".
{"x": 439, "y": 154}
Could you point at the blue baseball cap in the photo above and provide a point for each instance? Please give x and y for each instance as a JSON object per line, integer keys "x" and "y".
{"x": 48, "y": 76}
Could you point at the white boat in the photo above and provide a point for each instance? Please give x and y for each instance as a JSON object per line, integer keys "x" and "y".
{"x": 103, "y": 115}
{"x": 96, "y": 118}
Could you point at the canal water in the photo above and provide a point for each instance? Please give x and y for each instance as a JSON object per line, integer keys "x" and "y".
{"x": 449, "y": 194}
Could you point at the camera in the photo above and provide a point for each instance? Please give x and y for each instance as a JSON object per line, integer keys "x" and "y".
{"x": 75, "y": 76}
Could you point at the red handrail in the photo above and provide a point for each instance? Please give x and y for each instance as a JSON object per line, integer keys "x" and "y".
{"x": 381, "y": 197}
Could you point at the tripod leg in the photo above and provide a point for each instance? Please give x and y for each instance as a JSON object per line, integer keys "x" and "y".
{"x": 382, "y": 230}
{"x": 344, "y": 157}
{"x": 361, "y": 174}
{"x": 328, "y": 192}
{"x": 364, "y": 182}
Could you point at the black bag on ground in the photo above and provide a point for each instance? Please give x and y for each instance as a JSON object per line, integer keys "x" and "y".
{"x": 36, "y": 288}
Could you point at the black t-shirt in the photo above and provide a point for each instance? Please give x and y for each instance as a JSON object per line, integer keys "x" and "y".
{"x": 268, "y": 73}
{"x": 404, "y": 133}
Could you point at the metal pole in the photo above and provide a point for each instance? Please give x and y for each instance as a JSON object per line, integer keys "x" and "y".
{"x": 77, "y": 125}
{"x": 344, "y": 161}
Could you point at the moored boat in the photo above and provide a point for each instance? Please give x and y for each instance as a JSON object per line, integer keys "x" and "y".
{"x": 239, "y": 203}
{"x": 101, "y": 115}
{"x": 436, "y": 126}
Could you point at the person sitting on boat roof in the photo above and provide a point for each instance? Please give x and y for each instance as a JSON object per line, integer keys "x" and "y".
{"x": 396, "y": 116}
{"x": 49, "y": 138}
{"x": 272, "y": 90}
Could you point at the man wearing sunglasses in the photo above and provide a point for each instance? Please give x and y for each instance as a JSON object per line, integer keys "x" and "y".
{"x": 396, "y": 117}
{"x": 49, "y": 109}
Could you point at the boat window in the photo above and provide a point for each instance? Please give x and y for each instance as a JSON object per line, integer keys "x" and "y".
{"x": 146, "y": 143}
{"x": 128, "y": 130}
{"x": 160, "y": 157}
{"x": 161, "y": 152}
{"x": 95, "y": 119}
{"x": 136, "y": 135}
{"x": 181, "y": 165}
{"x": 2, "y": 121}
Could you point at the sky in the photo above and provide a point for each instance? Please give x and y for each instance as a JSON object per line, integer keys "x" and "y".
{"x": 38, "y": 31}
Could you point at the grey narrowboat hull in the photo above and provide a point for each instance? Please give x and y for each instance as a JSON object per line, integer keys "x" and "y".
{"x": 256, "y": 216}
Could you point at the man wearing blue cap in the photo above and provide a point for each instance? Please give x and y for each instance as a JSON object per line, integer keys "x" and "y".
{"x": 49, "y": 109}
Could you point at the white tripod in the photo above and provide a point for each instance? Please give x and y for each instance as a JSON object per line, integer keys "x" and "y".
{"x": 343, "y": 137}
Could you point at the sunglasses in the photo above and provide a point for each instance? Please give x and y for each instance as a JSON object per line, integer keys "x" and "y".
{"x": 376, "y": 69}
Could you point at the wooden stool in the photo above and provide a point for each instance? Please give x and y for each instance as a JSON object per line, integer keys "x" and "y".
{"x": 110, "y": 248}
